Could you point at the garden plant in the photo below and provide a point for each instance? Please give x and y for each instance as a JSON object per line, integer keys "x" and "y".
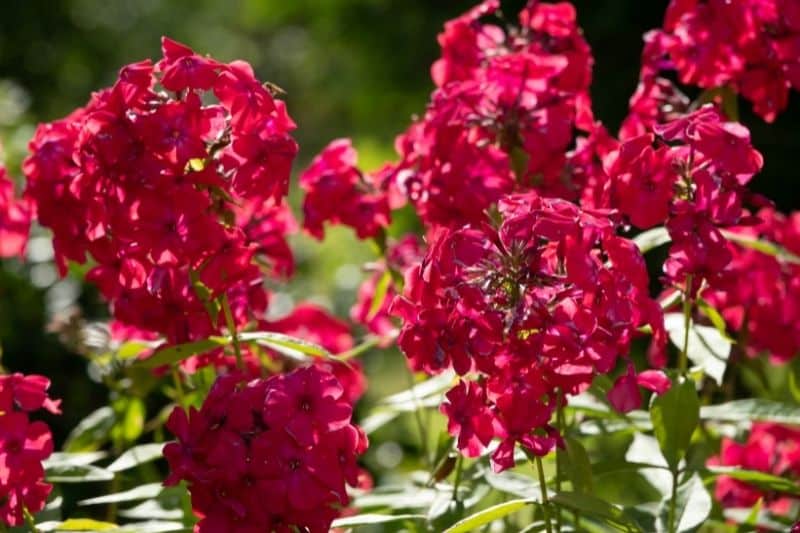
{"x": 600, "y": 330}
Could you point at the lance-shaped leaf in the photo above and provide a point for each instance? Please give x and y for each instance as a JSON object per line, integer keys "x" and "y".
{"x": 675, "y": 415}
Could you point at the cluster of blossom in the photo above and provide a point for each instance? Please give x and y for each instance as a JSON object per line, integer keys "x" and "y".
{"x": 270, "y": 454}
{"x": 770, "y": 448}
{"x": 765, "y": 311}
{"x": 534, "y": 308}
{"x": 23, "y": 446}
{"x": 166, "y": 192}
{"x": 337, "y": 191}
{"x": 15, "y": 218}
{"x": 693, "y": 180}
{"x": 749, "y": 46}
{"x": 502, "y": 117}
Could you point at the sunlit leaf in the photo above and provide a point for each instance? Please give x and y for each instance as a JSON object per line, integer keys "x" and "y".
{"x": 381, "y": 290}
{"x": 178, "y": 352}
{"x": 752, "y": 409}
{"x": 762, "y": 480}
{"x": 488, "y": 516}
{"x": 651, "y": 239}
{"x": 91, "y": 432}
{"x": 77, "y": 474}
{"x": 372, "y": 519}
{"x": 137, "y": 455}
{"x": 142, "y": 492}
{"x": 707, "y": 347}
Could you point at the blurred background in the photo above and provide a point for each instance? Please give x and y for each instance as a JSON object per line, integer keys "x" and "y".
{"x": 357, "y": 68}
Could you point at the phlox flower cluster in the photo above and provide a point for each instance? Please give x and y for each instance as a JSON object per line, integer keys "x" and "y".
{"x": 338, "y": 192}
{"x": 765, "y": 311}
{"x": 750, "y": 46}
{"x": 689, "y": 174}
{"x": 770, "y": 448}
{"x": 526, "y": 311}
{"x": 15, "y": 218}
{"x": 270, "y": 454}
{"x": 24, "y": 444}
{"x": 165, "y": 192}
{"x": 502, "y": 119}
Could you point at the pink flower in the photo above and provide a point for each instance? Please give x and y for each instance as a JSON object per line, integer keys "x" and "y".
{"x": 169, "y": 195}
{"x": 339, "y": 193}
{"x": 250, "y": 467}
{"x": 23, "y": 446}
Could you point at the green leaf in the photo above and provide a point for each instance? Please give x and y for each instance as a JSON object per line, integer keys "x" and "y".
{"x": 77, "y": 474}
{"x": 579, "y": 467}
{"x": 651, "y": 239}
{"x": 430, "y": 387}
{"x": 762, "y": 480}
{"x": 144, "y": 453}
{"x": 65, "y": 459}
{"x": 763, "y": 246}
{"x": 713, "y": 315}
{"x": 142, "y": 492}
{"x": 794, "y": 379}
{"x": 381, "y": 290}
{"x": 91, "y": 432}
{"x": 131, "y": 349}
{"x": 402, "y": 497}
{"x": 675, "y": 415}
{"x": 753, "y": 409}
{"x": 513, "y": 483}
{"x": 285, "y": 344}
{"x": 488, "y": 516}
{"x": 152, "y": 510}
{"x": 645, "y": 449}
{"x": 596, "y": 508}
{"x": 178, "y": 352}
{"x": 130, "y": 415}
{"x": 693, "y": 504}
{"x": 85, "y": 524}
{"x": 154, "y": 526}
{"x": 707, "y": 347}
{"x": 372, "y": 519}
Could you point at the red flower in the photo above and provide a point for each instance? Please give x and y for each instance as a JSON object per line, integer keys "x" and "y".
{"x": 530, "y": 308}
{"x": 170, "y": 194}
{"x": 15, "y": 219}
{"x": 182, "y": 69}
{"x": 246, "y": 467}
{"x": 769, "y": 448}
{"x": 308, "y": 403}
{"x": 338, "y": 192}
{"x": 23, "y": 446}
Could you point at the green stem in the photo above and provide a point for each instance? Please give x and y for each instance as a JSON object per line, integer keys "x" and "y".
{"x": 29, "y": 520}
{"x": 226, "y": 308}
{"x": 176, "y": 378}
{"x": 423, "y": 434}
{"x": 545, "y": 501}
{"x": 673, "y": 502}
{"x": 683, "y": 361}
{"x": 559, "y": 455}
{"x": 457, "y": 481}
